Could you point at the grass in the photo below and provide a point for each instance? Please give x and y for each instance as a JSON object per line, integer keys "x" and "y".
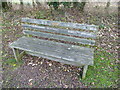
{"x": 104, "y": 73}
{"x": 40, "y": 15}
{"x": 5, "y": 30}
{"x": 11, "y": 62}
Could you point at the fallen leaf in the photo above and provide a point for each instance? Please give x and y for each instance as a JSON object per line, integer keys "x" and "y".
{"x": 14, "y": 65}
{"x": 30, "y": 80}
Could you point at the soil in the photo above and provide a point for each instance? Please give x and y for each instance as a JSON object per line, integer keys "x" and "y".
{"x": 43, "y": 73}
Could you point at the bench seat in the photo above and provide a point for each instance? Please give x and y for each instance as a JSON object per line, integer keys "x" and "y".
{"x": 61, "y": 52}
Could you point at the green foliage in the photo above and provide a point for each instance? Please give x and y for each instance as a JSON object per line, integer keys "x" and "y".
{"x": 102, "y": 26}
{"x": 75, "y": 4}
{"x": 13, "y": 62}
{"x": 54, "y": 4}
{"x": 5, "y": 5}
{"x": 104, "y": 73}
{"x": 82, "y": 5}
{"x": 10, "y": 61}
{"x": 79, "y": 5}
{"x": 66, "y": 4}
{"x": 40, "y": 15}
{"x": 108, "y": 4}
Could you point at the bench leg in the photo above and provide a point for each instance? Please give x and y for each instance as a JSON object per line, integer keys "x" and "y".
{"x": 84, "y": 71}
{"x": 15, "y": 53}
{"x": 21, "y": 55}
{"x": 18, "y": 56}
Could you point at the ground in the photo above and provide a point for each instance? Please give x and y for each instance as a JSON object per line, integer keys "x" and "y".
{"x": 40, "y": 72}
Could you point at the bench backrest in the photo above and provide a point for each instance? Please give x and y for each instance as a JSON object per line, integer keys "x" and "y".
{"x": 52, "y": 30}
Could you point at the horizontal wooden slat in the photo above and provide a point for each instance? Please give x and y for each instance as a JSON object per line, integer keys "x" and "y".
{"x": 73, "y": 53}
{"x": 63, "y": 24}
{"x": 60, "y": 37}
{"x": 61, "y": 31}
{"x": 55, "y": 59}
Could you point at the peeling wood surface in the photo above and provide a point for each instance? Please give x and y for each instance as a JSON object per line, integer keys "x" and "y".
{"x": 60, "y": 37}
{"x": 63, "y": 24}
{"x": 72, "y": 53}
{"x": 61, "y": 31}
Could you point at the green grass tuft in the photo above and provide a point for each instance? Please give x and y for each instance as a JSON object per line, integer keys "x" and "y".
{"x": 104, "y": 72}
{"x": 12, "y": 62}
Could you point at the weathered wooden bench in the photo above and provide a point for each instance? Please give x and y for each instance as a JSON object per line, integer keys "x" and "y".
{"x": 43, "y": 42}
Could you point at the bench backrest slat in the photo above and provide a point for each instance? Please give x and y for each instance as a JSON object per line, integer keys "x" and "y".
{"x": 61, "y": 31}
{"x": 63, "y": 24}
{"x": 60, "y": 37}
{"x": 43, "y": 29}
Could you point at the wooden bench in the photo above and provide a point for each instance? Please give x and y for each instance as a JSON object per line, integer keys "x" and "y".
{"x": 47, "y": 43}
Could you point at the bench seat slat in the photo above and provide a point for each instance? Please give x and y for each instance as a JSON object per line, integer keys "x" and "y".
{"x": 61, "y": 31}
{"x": 73, "y": 53}
{"x": 55, "y": 59}
{"x": 60, "y": 37}
{"x": 63, "y": 24}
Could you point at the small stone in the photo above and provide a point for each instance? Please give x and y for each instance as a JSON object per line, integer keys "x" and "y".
{"x": 67, "y": 70}
{"x": 50, "y": 64}
{"x": 30, "y": 84}
{"x": 117, "y": 47}
{"x": 114, "y": 23}
{"x": 93, "y": 83}
{"x": 102, "y": 67}
{"x": 30, "y": 63}
{"x": 33, "y": 64}
{"x": 111, "y": 63}
{"x": 66, "y": 86}
{"x": 41, "y": 62}
{"x": 102, "y": 58}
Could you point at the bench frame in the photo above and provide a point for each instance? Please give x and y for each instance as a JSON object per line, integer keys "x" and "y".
{"x": 18, "y": 56}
